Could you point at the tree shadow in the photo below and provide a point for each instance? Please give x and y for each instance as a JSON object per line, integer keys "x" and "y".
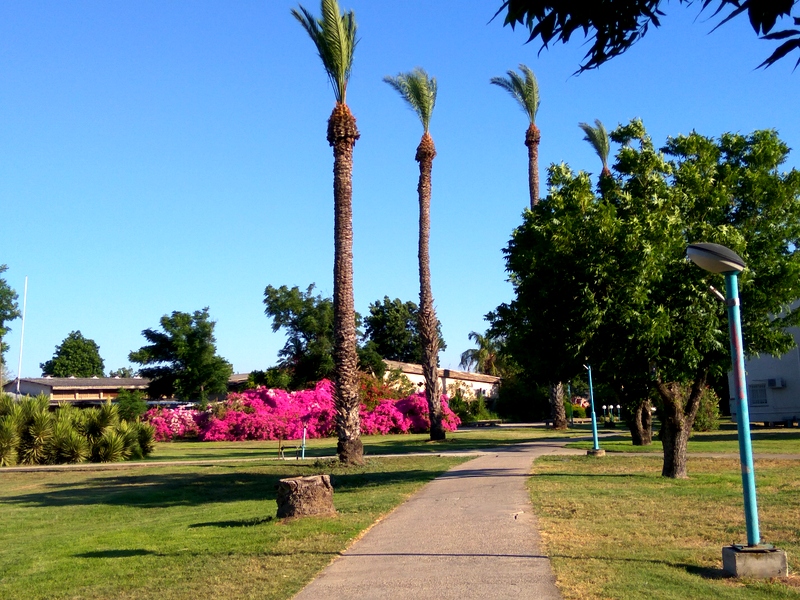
{"x": 203, "y": 485}
{"x": 243, "y": 523}
{"x": 116, "y": 553}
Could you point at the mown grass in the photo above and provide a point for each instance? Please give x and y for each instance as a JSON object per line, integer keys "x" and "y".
{"x": 462, "y": 440}
{"x": 176, "y": 532}
{"x": 614, "y": 528}
{"x": 777, "y": 440}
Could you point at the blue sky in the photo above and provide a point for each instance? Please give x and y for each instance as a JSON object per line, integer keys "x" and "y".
{"x": 160, "y": 156}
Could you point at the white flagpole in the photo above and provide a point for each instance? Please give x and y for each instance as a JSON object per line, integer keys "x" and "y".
{"x": 22, "y": 334}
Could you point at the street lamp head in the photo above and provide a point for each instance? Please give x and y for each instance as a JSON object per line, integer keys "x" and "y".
{"x": 715, "y": 258}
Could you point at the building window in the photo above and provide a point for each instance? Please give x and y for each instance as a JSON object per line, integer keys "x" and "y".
{"x": 757, "y": 394}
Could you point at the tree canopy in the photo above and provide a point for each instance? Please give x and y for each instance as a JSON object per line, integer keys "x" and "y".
{"x": 613, "y": 26}
{"x": 604, "y": 278}
{"x": 76, "y": 356}
{"x": 181, "y": 360}
{"x": 9, "y": 310}
{"x": 393, "y": 327}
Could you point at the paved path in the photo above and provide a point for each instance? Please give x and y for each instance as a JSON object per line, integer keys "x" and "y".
{"x": 470, "y": 533}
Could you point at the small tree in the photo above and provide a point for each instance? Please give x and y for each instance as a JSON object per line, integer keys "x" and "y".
{"x": 122, "y": 373}
{"x": 9, "y": 310}
{"x": 181, "y": 360}
{"x": 76, "y": 356}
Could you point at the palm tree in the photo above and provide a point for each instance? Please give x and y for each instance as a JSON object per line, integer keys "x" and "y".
{"x": 419, "y": 91}
{"x": 486, "y": 357}
{"x": 334, "y": 35}
{"x": 526, "y": 92}
{"x": 598, "y": 137}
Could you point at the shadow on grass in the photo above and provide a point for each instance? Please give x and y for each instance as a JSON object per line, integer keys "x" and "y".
{"x": 225, "y": 524}
{"x": 197, "y": 488}
{"x": 704, "y": 572}
{"x": 116, "y": 553}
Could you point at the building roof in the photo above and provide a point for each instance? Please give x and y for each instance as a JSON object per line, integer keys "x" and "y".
{"x": 448, "y": 373}
{"x": 94, "y": 383}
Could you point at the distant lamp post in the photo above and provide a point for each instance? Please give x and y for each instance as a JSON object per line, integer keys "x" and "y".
{"x": 596, "y": 449}
{"x": 604, "y": 411}
{"x": 755, "y": 559}
{"x": 619, "y": 412}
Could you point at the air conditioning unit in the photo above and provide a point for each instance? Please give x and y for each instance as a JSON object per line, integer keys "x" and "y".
{"x": 777, "y": 383}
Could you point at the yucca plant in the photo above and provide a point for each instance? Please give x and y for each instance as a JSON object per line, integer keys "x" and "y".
{"x": 147, "y": 437}
{"x": 36, "y": 437}
{"x": 130, "y": 436}
{"x": 110, "y": 447}
{"x": 9, "y": 440}
{"x": 67, "y": 444}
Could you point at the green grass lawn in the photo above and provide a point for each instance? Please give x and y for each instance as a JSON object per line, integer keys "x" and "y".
{"x": 778, "y": 440}
{"x": 464, "y": 439}
{"x": 617, "y": 529}
{"x": 185, "y": 531}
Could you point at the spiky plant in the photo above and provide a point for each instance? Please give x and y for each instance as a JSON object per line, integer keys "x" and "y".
{"x": 525, "y": 90}
{"x": 418, "y": 90}
{"x": 334, "y": 36}
{"x": 9, "y": 440}
{"x": 110, "y": 447}
{"x": 68, "y": 445}
{"x": 146, "y": 435}
{"x": 35, "y": 441}
{"x": 597, "y": 136}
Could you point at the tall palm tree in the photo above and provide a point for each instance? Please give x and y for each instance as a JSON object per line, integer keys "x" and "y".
{"x": 419, "y": 91}
{"x": 525, "y": 91}
{"x": 597, "y": 136}
{"x": 334, "y": 35}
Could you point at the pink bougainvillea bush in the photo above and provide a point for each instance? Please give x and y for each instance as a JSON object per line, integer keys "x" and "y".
{"x": 266, "y": 414}
{"x": 172, "y": 423}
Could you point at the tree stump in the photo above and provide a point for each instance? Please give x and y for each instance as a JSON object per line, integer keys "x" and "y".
{"x": 304, "y": 496}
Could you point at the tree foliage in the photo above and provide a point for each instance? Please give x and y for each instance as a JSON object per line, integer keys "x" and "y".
{"x": 605, "y": 278}
{"x": 393, "y": 327}
{"x": 613, "y": 26}
{"x": 181, "y": 360}
{"x": 307, "y": 320}
{"x": 488, "y": 357}
{"x": 76, "y": 356}
{"x": 9, "y": 310}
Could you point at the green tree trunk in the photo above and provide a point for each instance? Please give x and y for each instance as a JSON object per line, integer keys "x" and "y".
{"x": 342, "y": 136}
{"x": 428, "y": 323}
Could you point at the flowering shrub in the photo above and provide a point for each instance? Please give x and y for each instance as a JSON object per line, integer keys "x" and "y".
{"x": 266, "y": 414}
{"x": 171, "y": 423}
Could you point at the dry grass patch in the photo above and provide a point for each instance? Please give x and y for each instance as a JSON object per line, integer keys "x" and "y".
{"x": 615, "y": 528}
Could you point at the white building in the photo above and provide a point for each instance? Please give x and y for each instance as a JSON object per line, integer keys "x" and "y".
{"x": 482, "y": 385}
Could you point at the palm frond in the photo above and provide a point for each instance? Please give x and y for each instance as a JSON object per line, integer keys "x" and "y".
{"x": 418, "y": 89}
{"x": 334, "y": 35}
{"x": 598, "y": 138}
{"x": 525, "y": 90}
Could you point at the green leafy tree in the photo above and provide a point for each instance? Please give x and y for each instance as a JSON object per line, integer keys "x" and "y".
{"x": 76, "y": 356}
{"x": 615, "y": 25}
{"x": 607, "y": 279}
{"x": 9, "y": 310}
{"x": 525, "y": 90}
{"x": 307, "y": 320}
{"x": 131, "y": 404}
{"x": 122, "y": 373}
{"x": 334, "y": 36}
{"x": 419, "y": 92}
{"x": 393, "y": 327}
{"x": 181, "y": 360}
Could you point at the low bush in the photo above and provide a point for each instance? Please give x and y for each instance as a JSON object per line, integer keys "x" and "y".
{"x": 131, "y": 404}
{"x": 32, "y": 434}
{"x": 708, "y": 415}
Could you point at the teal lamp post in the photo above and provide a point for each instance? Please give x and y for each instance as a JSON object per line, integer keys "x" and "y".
{"x": 596, "y": 449}
{"x": 740, "y": 560}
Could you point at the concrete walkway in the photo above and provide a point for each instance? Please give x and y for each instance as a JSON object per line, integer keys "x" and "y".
{"x": 470, "y": 533}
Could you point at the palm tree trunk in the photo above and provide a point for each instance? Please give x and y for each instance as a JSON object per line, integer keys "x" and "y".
{"x": 558, "y": 413}
{"x": 532, "y": 137}
{"x": 428, "y": 323}
{"x": 342, "y": 136}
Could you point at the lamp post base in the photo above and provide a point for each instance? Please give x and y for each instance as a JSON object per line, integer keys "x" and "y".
{"x": 598, "y": 452}
{"x": 758, "y": 562}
